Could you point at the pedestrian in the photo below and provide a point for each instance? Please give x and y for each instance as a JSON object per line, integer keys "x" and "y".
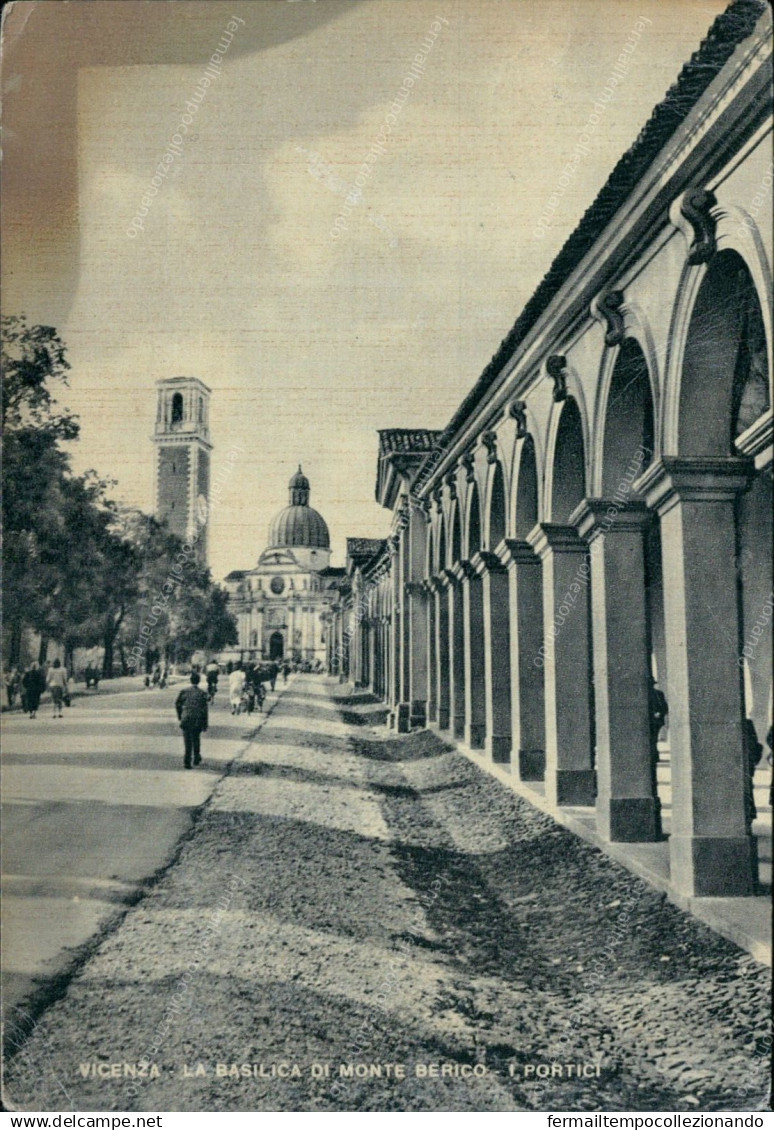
{"x": 57, "y": 684}
{"x": 659, "y": 709}
{"x": 273, "y": 672}
{"x": 212, "y": 671}
{"x": 14, "y": 686}
{"x": 191, "y": 707}
{"x": 33, "y": 685}
{"x": 285, "y": 671}
{"x": 752, "y": 755}
{"x": 236, "y": 683}
{"x": 156, "y": 677}
{"x": 249, "y": 696}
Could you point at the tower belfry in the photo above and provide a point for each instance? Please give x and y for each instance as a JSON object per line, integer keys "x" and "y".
{"x": 182, "y": 438}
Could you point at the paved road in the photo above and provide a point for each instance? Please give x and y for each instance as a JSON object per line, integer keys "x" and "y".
{"x": 94, "y": 805}
{"x": 366, "y": 921}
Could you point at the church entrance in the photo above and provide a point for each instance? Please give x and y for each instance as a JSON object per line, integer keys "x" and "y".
{"x": 276, "y": 646}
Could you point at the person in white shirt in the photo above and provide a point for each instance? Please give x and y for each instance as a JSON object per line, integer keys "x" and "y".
{"x": 57, "y": 684}
{"x": 236, "y": 684}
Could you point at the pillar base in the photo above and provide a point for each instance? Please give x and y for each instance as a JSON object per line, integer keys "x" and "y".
{"x": 443, "y": 717}
{"x": 532, "y": 764}
{"x": 576, "y": 787}
{"x": 418, "y": 712}
{"x": 630, "y": 820}
{"x": 403, "y": 717}
{"x": 475, "y": 735}
{"x": 499, "y": 749}
{"x": 714, "y": 867}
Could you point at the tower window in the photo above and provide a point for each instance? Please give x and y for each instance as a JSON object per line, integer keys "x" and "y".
{"x": 201, "y": 409}
{"x": 177, "y": 408}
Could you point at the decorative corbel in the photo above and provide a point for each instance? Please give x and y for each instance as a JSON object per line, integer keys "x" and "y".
{"x": 489, "y": 440}
{"x": 451, "y": 481}
{"x": 469, "y": 463}
{"x": 606, "y": 308}
{"x": 696, "y": 206}
{"x": 438, "y": 498}
{"x": 517, "y": 410}
{"x": 556, "y": 367}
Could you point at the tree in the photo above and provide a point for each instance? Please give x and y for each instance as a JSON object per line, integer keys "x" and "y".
{"x": 35, "y": 471}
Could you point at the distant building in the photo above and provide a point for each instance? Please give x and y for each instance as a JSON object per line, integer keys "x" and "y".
{"x": 281, "y": 605}
{"x": 182, "y": 438}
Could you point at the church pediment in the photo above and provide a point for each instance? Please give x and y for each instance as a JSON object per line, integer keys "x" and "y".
{"x": 277, "y": 558}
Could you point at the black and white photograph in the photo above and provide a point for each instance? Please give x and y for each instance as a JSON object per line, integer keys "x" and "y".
{"x": 386, "y": 578}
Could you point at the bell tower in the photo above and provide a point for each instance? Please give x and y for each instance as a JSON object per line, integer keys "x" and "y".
{"x": 182, "y": 439}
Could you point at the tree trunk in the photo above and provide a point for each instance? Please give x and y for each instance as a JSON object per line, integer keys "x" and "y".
{"x": 43, "y": 650}
{"x": 108, "y": 639}
{"x": 16, "y": 642}
{"x": 107, "y": 658}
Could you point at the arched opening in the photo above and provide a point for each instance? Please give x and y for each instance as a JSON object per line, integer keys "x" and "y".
{"x": 569, "y": 474}
{"x": 177, "y": 408}
{"x": 526, "y": 490}
{"x": 528, "y": 650}
{"x": 569, "y": 686}
{"x": 716, "y": 546}
{"x": 475, "y": 662}
{"x": 724, "y": 385}
{"x": 497, "y": 508}
{"x": 443, "y": 673}
{"x": 456, "y": 635}
{"x": 441, "y": 545}
{"x": 276, "y": 645}
{"x": 474, "y": 523}
{"x": 628, "y": 615}
{"x": 497, "y": 630}
{"x": 456, "y": 551}
{"x": 629, "y": 431}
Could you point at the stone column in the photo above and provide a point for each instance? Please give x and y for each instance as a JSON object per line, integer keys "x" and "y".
{"x": 443, "y": 667}
{"x": 473, "y": 631}
{"x": 628, "y": 807}
{"x": 497, "y": 656}
{"x": 432, "y": 654}
{"x": 528, "y": 715}
{"x": 570, "y": 777}
{"x": 456, "y": 654}
{"x": 417, "y": 645}
{"x": 712, "y": 852}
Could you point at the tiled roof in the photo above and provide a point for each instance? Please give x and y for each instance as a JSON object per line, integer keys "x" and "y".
{"x": 407, "y": 440}
{"x": 236, "y": 575}
{"x": 730, "y": 29}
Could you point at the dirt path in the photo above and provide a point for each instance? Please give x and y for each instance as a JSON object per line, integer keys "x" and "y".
{"x": 355, "y": 900}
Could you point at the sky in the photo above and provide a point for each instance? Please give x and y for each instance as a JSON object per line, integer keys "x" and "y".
{"x": 310, "y": 340}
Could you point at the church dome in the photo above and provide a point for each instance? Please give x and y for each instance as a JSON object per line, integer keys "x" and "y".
{"x": 298, "y": 525}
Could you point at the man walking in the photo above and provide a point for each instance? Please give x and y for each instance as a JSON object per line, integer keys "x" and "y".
{"x": 191, "y": 707}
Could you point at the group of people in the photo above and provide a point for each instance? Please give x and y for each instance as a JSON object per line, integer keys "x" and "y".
{"x": 158, "y": 677}
{"x": 31, "y": 684}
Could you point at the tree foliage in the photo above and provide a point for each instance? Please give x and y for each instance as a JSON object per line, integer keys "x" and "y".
{"x": 79, "y": 569}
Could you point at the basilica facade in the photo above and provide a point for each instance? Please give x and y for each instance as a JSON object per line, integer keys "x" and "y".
{"x": 595, "y": 520}
{"x": 282, "y": 605}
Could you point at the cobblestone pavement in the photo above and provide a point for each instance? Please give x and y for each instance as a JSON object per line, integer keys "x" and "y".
{"x": 352, "y": 907}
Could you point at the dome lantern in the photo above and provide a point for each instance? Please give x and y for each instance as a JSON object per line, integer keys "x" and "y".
{"x": 298, "y": 526}
{"x": 299, "y": 489}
